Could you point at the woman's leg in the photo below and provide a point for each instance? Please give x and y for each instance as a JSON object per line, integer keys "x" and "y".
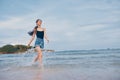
{"x": 39, "y": 56}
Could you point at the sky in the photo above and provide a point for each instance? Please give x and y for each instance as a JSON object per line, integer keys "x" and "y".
{"x": 70, "y": 24}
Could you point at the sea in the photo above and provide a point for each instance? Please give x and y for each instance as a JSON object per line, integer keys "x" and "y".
{"x": 102, "y": 64}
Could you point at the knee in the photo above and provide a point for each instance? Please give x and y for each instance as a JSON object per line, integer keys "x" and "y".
{"x": 40, "y": 55}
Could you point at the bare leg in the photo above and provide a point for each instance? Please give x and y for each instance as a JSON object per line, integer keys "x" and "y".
{"x": 39, "y": 56}
{"x": 36, "y": 58}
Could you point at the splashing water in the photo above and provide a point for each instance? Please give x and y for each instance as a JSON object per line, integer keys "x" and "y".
{"x": 82, "y": 57}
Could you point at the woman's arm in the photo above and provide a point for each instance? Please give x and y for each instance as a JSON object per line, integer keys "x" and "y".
{"x": 33, "y": 36}
{"x": 45, "y": 35}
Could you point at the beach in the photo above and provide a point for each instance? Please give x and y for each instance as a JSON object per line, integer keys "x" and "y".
{"x": 62, "y": 65}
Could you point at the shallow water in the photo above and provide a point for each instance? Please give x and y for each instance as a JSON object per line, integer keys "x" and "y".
{"x": 66, "y": 65}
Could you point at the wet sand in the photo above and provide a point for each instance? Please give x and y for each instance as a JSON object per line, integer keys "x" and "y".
{"x": 64, "y": 72}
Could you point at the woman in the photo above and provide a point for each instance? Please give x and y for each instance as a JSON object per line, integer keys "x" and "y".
{"x": 39, "y": 43}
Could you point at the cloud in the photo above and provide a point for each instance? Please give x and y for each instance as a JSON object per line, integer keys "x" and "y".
{"x": 70, "y": 25}
{"x": 10, "y": 22}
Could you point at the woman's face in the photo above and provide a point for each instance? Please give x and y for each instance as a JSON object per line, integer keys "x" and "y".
{"x": 39, "y": 23}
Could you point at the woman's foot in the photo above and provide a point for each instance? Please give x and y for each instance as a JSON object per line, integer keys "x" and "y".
{"x": 41, "y": 66}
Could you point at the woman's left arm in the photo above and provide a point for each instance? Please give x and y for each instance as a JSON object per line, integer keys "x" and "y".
{"x": 45, "y": 35}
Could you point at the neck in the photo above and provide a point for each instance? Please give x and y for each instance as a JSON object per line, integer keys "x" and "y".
{"x": 39, "y": 26}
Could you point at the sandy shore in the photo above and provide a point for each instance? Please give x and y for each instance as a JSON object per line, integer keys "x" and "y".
{"x": 64, "y": 72}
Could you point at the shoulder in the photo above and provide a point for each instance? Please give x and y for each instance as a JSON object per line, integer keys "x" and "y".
{"x": 44, "y": 29}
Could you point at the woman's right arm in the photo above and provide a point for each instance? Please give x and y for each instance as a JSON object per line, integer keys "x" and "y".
{"x": 33, "y": 36}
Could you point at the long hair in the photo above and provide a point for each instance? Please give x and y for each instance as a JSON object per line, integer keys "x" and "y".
{"x": 35, "y": 28}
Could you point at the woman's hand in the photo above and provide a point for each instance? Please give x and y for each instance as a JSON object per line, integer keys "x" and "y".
{"x": 28, "y": 45}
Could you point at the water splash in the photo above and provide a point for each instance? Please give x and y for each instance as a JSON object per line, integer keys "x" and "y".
{"x": 84, "y": 58}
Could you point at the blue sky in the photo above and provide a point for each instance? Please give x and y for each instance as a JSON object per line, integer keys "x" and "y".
{"x": 70, "y": 24}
